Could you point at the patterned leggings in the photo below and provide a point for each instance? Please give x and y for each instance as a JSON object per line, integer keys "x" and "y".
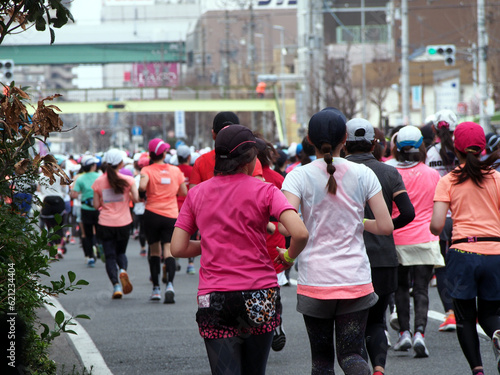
{"x": 349, "y": 336}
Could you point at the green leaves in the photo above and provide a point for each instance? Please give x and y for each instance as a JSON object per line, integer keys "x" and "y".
{"x": 59, "y": 318}
{"x": 22, "y": 14}
{"x": 61, "y": 326}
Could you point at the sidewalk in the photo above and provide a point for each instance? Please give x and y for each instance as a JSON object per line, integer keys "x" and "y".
{"x": 61, "y": 350}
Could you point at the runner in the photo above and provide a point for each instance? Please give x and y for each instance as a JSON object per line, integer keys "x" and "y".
{"x": 113, "y": 192}
{"x": 89, "y": 215}
{"x": 334, "y": 288}
{"x": 417, "y": 248}
{"x": 203, "y": 168}
{"x": 238, "y": 295}
{"x": 472, "y": 193}
{"x": 161, "y": 183}
{"x": 381, "y": 250}
{"x": 274, "y": 239}
{"x": 184, "y": 161}
{"x": 441, "y": 157}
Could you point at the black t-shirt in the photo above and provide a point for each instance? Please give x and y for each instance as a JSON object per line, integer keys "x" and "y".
{"x": 381, "y": 249}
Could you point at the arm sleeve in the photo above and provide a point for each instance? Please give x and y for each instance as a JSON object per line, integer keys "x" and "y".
{"x": 406, "y": 211}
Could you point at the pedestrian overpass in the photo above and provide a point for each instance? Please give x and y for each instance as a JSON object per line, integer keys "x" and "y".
{"x": 169, "y": 105}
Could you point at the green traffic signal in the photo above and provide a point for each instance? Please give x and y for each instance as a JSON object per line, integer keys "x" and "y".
{"x": 431, "y": 51}
{"x": 116, "y": 106}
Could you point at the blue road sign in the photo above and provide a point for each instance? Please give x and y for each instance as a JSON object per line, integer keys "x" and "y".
{"x": 136, "y": 130}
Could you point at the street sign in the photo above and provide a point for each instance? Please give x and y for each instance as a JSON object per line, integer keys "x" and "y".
{"x": 180, "y": 125}
{"x": 447, "y": 94}
{"x": 136, "y": 130}
{"x": 138, "y": 139}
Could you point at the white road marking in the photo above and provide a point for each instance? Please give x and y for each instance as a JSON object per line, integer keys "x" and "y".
{"x": 83, "y": 345}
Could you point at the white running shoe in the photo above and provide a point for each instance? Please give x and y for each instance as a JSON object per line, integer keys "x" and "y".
{"x": 169, "y": 294}
{"x": 393, "y": 321}
{"x": 419, "y": 346}
{"x": 404, "y": 342}
{"x": 156, "y": 294}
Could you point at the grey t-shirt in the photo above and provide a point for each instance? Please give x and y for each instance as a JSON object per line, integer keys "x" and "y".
{"x": 381, "y": 249}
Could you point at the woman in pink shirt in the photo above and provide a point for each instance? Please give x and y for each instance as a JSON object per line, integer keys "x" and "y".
{"x": 238, "y": 295}
{"x": 113, "y": 192}
{"x": 417, "y": 248}
{"x": 472, "y": 193}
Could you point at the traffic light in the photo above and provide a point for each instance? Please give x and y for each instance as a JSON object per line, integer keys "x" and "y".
{"x": 116, "y": 106}
{"x": 103, "y": 132}
{"x": 446, "y": 51}
{"x": 6, "y": 71}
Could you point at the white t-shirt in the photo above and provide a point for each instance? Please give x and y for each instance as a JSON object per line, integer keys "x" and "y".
{"x": 139, "y": 207}
{"x": 435, "y": 161}
{"x": 55, "y": 189}
{"x": 335, "y": 255}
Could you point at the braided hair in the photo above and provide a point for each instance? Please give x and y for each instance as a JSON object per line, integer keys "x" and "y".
{"x": 330, "y": 168}
{"x": 326, "y": 131}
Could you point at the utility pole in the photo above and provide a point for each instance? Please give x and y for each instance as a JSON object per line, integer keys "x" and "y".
{"x": 317, "y": 37}
{"x": 203, "y": 53}
{"x": 225, "y": 53}
{"x": 405, "y": 64}
{"x": 253, "y": 76}
{"x": 482, "y": 41}
{"x": 282, "y": 72}
{"x": 363, "y": 41}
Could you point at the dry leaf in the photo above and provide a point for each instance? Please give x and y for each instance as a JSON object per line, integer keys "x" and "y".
{"x": 22, "y": 166}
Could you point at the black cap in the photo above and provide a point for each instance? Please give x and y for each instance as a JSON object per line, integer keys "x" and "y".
{"x": 327, "y": 126}
{"x": 233, "y": 141}
{"x": 282, "y": 158}
{"x": 223, "y": 119}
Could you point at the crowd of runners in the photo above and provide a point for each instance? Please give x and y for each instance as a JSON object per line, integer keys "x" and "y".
{"x": 368, "y": 219}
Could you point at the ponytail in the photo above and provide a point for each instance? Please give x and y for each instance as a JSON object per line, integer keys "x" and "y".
{"x": 326, "y": 149}
{"x": 447, "y": 146}
{"x": 117, "y": 184}
{"x": 473, "y": 169}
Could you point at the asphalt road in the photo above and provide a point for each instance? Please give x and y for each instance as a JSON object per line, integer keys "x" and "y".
{"x": 136, "y": 336}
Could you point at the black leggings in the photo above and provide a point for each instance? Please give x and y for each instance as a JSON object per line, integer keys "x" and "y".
{"x": 443, "y": 284}
{"x": 89, "y": 222}
{"x": 239, "y": 355}
{"x": 488, "y": 317}
{"x": 376, "y": 340}
{"x": 421, "y": 276}
{"x": 349, "y": 336}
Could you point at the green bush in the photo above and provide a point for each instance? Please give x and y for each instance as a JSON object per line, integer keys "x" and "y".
{"x": 25, "y": 253}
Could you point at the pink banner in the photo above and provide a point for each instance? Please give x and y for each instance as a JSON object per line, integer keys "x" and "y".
{"x": 155, "y": 74}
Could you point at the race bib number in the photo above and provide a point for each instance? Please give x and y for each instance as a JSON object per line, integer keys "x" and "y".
{"x": 109, "y": 196}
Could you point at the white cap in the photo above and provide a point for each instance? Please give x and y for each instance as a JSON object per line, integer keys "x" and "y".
{"x": 292, "y": 150}
{"x": 183, "y": 151}
{"x": 114, "y": 157}
{"x": 447, "y": 116}
{"x": 409, "y": 136}
{"x": 88, "y": 160}
{"x": 430, "y": 119}
{"x": 359, "y": 129}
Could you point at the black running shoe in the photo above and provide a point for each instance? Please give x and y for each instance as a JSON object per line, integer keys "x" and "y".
{"x": 279, "y": 339}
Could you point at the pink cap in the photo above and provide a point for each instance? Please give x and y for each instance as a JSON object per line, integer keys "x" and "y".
{"x": 143, "y": 161}
{"x": 467, "y": 135}
{"x": 157, "y": 146}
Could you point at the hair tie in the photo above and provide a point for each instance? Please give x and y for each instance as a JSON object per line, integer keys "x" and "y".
{"x": 443, "y": 124}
